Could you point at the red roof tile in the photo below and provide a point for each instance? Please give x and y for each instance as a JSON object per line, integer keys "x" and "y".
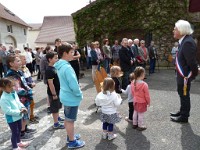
{"x": 56, "y": 27}
{"x": 7, "y": 14}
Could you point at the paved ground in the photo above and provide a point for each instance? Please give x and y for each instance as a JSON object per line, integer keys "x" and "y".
{"x": 162, "y": 134}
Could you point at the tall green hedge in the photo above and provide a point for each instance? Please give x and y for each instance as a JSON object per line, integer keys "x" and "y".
{"x": 103, "y": 18}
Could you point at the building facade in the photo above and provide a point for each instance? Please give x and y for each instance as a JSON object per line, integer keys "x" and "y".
{"x": 13, "y": 30}
{"x": 32, "y": 35}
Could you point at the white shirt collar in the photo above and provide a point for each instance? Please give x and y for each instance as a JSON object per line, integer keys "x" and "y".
{"x": 181, "y": 39}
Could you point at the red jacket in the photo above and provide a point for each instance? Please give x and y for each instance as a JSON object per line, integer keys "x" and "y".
{"x": 140, "y": 92}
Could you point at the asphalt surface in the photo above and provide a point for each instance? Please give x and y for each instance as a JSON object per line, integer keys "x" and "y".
{"x": 161, "y": 133}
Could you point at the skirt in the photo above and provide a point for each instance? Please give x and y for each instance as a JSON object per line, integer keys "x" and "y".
{"x": 110, "y": 118}
{"x": 140, "y": 107}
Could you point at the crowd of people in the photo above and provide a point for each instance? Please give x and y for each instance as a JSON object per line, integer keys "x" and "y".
{"x": 59, "y": 68}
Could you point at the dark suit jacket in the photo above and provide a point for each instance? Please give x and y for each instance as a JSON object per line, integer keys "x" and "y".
{"x": 187, "y": 58}
{"x": 135, "y": 49}
{"x": 151, "y": 52}
{"x": 125, "y": 59}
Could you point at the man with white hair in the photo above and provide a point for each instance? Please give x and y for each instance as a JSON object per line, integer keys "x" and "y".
{"x": 135, "y": 47}
{"x": 187, "y": 68}
{"x": 126, "y": 62}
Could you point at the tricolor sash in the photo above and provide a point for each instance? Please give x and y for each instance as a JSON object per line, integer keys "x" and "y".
{"x": 180, "y": 71}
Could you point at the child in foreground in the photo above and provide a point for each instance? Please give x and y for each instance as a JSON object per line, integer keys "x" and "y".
{"x": 23, "y": 91}
{"x": 13, "y": 110}
{"x": 70, "y": 93}
{"x": 130, "y": 99}
{"x": 109, "y": 100}
{"x": 116, "y": 73}
{"x": 141, "y": 96}
{"x": 53, "y": 89}
{"x": 31, "y": 84}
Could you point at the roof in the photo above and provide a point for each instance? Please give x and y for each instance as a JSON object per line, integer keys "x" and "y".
{"x": 35, "y": 26}
{"x": 56, "y": 27}
{"x": 8, "y": 15}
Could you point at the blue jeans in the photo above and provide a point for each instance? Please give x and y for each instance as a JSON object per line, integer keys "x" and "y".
{"x": 106, "y": 63}
{"x": 89, "y": 62}
{"x": 70, "y": 113}
{"x": 152, "y": 65}
{"x": 108, "y": 126}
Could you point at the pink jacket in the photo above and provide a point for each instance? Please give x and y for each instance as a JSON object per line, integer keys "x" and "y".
{"x": 140, "y": 92}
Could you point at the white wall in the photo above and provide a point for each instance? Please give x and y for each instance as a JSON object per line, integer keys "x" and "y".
{"x": 17, "y": 36}
{"x": 31, "y": 37}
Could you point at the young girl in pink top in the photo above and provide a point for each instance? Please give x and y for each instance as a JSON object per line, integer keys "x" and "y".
{"x": 141, "y": 96}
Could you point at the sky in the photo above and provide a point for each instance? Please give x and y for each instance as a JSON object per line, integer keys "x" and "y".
{"x": 33, "y": 11}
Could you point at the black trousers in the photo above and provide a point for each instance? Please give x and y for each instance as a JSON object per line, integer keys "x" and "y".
{"x": 76, "y": 67}
{"x": 39, "y": 74}
{"x": 184, "y": 100}
{"x": 131, "y": 110}
{"x": 30, "y": 67}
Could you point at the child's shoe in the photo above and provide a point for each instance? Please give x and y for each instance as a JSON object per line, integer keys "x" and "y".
{"x": 29, "y": 130}
{"x": 33, "y": 121}
{"x": 111, "y": 136}
{"x": 104, "y": 135}
{"x": 58, "y": 125}
{"x": 128, "y": 120}
{"x": 61, "y": 119}
{"x": 23, "y": 144}
{"x": 76, "y": 137}
{"x": 76, "y": 144}
{"x": 27, "y": 137}
{"x": 141, "y": 128}
{"x": 135, "y": 126}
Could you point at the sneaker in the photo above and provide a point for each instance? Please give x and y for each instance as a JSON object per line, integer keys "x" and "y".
{"x": 58, "y": 126}
{"x": 27, "y": 137}
{"x": 76, "y": 144}
{"x": 141, "y": 128}
{"x": 33, "y": 121}
{"x": 76, "y": 137}
{"x": 111, "y": 136}
{"x": 23, "y": 144}
{"x": 128, "y": 120}
{"x": 30, "y": 130}
{"x": 61, "y": 119}
{"x": 104, "y": 135}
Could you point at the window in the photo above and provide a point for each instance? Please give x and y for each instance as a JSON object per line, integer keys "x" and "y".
{"x": 9, "y": 28}
{"x": 24, "y": 31}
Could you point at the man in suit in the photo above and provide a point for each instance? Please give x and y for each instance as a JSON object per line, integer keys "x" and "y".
{"x": 135, "y": 49}
{"x": 126, "y": 62}
{"x": 187, "y": 68}
{"x": 152, "y": 57}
